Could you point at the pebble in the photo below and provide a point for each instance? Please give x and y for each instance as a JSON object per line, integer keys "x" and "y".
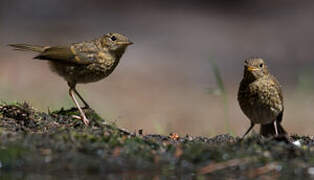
{"x": 297, "y": 143}
{"x": 310, "y": 171}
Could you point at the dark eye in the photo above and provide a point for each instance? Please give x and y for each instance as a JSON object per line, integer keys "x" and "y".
{"x": 261, "y": 65}
{"x": 113, "y": 38}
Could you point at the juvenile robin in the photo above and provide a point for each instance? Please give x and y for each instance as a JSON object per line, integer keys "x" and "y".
{"x": 83, "y": 62}
{"x": 260, "y": 98}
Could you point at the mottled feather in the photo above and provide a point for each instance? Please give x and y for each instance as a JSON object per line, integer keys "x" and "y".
{"x": 82, "y": 62}
{"x": 260, "y": 97}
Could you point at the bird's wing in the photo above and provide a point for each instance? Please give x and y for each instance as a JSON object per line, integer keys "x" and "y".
{"x": 274, "y": 94}
{"x": 277, "y": 86}
{"x": 69, "y": 55}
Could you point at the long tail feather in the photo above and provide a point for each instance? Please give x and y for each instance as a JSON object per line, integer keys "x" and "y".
{"x": 28, "y": 47}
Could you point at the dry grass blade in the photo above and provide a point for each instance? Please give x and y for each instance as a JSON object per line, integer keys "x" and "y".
{"x": 212, "y": 167}
{"x": 263, "y": 170}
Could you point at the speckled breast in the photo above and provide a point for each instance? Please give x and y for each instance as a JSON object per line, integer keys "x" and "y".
{"x": 259, "y": 103}
{"x": 82, "y": 73}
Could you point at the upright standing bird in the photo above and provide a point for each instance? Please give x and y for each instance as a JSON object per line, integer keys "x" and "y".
{"x": 260, "y": 98}
{"x": 82, "y": 62}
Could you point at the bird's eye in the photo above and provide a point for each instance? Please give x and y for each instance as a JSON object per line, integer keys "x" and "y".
{"x": 113, "y": 38}
{"x": 261, "y": 65}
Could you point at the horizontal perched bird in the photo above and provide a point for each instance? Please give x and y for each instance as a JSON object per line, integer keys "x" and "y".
{"x": 82, "y": 62}
{"x": 260, "y": 98}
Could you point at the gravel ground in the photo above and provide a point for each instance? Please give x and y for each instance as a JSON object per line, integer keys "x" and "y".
{"x": 38, "y": 145}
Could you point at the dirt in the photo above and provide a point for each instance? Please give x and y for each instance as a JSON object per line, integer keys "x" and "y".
{"x": 54, "y": 145}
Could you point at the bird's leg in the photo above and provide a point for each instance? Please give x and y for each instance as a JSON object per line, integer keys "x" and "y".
{"x": 250, "y": 128}
{"x": 276, "y": 129}
{"x": 72, "y": 85}
{"x": 81, "y": 98}
{"x": 83, "y": 116}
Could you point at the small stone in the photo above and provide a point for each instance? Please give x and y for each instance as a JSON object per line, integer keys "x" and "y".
{"x": 310, "y": 171}
{"x": 297, "y": 143}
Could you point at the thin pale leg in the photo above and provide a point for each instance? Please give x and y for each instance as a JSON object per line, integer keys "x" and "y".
{"x": 83, "y": 116}
{"x": 81, "y": 98}
{"x": 250, "y": 128}
{"x": 276, "y": 129}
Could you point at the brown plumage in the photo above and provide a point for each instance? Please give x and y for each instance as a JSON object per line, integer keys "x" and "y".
{"x": 260, "y": 98}
{"x": 82, "y": 62}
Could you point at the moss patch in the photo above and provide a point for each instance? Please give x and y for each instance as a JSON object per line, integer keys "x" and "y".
{"x": 40, "y": 145}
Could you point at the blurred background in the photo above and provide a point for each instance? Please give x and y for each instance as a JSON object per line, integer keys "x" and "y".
{"x": 166, "y": 81}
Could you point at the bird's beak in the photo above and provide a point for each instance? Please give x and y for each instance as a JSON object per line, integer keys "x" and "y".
{"x": 251, "y": 68}
{"x": 125, "y": 43}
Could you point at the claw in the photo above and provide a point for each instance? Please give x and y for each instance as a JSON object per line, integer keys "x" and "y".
{"x": 76, "y": 117}
{"x": 84, "y": 119}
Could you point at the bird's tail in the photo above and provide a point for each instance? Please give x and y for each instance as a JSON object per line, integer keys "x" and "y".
{"x": 28, "y": 47}
{"x": 268, "y": 130}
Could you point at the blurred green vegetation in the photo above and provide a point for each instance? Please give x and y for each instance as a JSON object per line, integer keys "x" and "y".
{"x": 305, "y": 81}
{"x": 221, "y": 91}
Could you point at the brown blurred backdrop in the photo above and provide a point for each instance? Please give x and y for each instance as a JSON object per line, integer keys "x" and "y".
{"x": 162, "y": 81}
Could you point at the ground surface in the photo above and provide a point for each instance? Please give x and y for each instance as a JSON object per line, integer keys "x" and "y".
{"x": 37, "y": 145}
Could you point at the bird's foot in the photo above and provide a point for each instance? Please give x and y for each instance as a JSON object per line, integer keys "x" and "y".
{"x": 84, "y": 119}
{"x": 283, "y": 138}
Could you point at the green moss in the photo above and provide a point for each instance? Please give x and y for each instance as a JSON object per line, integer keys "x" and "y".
{"x": 10, "y": 155}
{"x": 42, "y": 143}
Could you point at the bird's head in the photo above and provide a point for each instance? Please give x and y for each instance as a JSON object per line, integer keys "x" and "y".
{"x": 255, "y": 68}
{"x": 115, "y": 42}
